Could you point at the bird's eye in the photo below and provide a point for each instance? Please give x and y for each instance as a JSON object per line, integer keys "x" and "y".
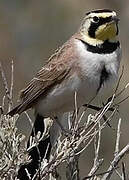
{"x": 95, "y": 19}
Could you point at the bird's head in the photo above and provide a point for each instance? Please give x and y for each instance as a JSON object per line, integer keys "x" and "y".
{"x": 99, "y": 26}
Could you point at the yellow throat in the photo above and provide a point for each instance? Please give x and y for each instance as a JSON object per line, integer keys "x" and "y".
{"x": 106, "y": 31}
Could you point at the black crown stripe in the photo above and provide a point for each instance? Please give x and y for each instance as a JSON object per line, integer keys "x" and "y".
{"x": 99, "y": 11}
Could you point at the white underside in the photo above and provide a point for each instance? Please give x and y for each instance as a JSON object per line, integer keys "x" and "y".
{"x": 62, "y": 97}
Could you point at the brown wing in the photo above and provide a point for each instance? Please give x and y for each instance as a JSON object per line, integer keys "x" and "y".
{"x": 45, "y": 79}
{"x": 52, "y": 73}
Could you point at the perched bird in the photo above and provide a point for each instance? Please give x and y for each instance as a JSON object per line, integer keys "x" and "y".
{"x": 85, "y": 64}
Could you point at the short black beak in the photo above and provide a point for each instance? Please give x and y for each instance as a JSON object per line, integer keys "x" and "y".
{"x": 115, "y": 19}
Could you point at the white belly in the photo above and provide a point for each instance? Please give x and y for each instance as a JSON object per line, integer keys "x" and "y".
{"x": 62, "y": 98}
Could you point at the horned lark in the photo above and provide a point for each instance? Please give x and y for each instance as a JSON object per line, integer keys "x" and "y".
{"x": 88, "y": 61}
{"x": 85, "y": 64}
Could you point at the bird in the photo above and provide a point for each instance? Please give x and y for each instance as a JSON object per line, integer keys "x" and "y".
{"x": 87, "y": 64}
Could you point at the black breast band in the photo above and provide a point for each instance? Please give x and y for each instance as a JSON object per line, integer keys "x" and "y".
{"x": 105, "y": 48}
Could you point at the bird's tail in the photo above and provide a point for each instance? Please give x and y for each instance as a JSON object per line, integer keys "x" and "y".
{"x": 14, "y": 111}
{"x": 38, "y": 152}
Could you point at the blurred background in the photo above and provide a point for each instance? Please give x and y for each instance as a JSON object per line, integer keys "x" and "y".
{"x": 31, "y": 30}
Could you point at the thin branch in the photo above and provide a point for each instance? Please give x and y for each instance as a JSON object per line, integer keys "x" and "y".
{"x": 118, "y": 138}
{"x": 118, "y": 174}
{"x": 95, "y": 175}
{"x": 127, "y": 85}
{"x": 76, "y": 112}
{"x": 105, "y": 119}
{"x": 123, "y": 172}
{"x": 72, "y": 169}
{"x": 117, "y": 104}
{"x": 97, "y": 162}
{"x": 115, "y": 162}
{"x": 96, "y": 108}
{"x": 7, "y": 92}
{"x": 12, "y": 81}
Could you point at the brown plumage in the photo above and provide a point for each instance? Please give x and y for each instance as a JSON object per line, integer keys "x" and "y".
{"x": 56, "y": 70}
{"x": 78, "y": 60}
{"x": 84, "y": 64}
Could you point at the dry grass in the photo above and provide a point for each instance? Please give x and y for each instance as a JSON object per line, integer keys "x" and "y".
{"x": 69, "y": 145}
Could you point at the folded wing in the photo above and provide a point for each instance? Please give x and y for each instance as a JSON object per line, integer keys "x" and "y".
{"x": 52, "y": 73}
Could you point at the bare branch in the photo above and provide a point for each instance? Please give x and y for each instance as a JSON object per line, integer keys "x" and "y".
{"x": 123, "y": 171}
{"x": 7, "y": 92}
{"x": 115, "y": 162}
{"x": 72, "y": 169}
{"x": 123, "y": 100}
{"x": 96, "y": 175}
{"x": 118, "y": 138}
{"x": 97, "y": 162}
{"x": 12, "y": 81}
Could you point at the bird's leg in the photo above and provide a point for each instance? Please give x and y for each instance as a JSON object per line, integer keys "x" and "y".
{"x": 64, "y": 130}
{"x": 96, "y": 108}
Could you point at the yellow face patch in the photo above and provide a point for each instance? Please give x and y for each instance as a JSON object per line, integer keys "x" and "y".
{"x": 106, "y": 31}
